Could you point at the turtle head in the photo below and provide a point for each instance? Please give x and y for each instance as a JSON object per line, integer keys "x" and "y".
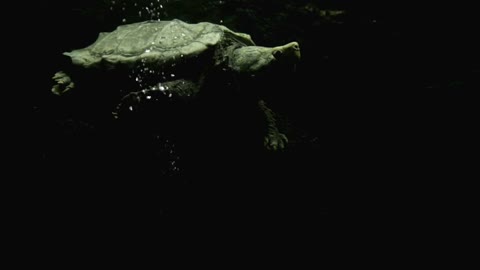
{"x": 253, "y": 59}
{"x": 289, "y": 53}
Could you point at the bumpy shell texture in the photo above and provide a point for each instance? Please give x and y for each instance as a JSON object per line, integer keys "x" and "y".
{"x": 155, "y": 43}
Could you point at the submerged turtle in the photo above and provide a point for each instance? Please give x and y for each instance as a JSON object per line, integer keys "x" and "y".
{"x": 177, "y": 58}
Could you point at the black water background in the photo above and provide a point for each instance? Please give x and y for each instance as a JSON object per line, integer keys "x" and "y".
{"x": 390, "y": 101}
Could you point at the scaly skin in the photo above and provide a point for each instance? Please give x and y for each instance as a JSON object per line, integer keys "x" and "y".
{"x": 273, "y": 140}
{"x": 252, "y": 59}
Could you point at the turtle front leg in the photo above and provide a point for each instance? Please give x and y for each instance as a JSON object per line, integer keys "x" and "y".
{"x": 178, "y": 89}
{"x": 63, "y": 83}
{"x": 274, "y": 140}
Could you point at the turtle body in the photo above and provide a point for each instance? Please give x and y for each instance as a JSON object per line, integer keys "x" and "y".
{"x": 176, "y": 58}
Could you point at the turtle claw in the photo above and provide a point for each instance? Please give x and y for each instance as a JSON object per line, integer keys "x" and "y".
{"x": 128, "y": 103}
{"x": 63, "y": 83}
{"x": 275, "y": 141}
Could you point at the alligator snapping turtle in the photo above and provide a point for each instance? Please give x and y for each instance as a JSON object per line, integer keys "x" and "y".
{"x": 178, "y": 57}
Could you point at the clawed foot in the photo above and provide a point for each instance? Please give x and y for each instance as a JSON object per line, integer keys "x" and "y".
{"x": 134, "y": 99}
{"x": 63, "y": 83}
{"x": 174, "y": 90}
{"x": 128, "y": 102}
{"x": 275, "y": 141}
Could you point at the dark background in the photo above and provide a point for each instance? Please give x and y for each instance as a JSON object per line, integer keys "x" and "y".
{"x": 382, "y": 100}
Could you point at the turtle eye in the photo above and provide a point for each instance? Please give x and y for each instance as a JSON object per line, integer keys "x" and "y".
{"x": 296, "y": 47}
{"x": 277, "y": 53}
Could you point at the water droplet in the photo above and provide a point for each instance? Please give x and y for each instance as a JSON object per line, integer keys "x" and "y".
{"x": 124, "y": 20}
{"x": 162, "y": 88}
{"x": 170, "y": 95}
{"x": 172, "y": 75}
{"x": 130, "y": 108}
{"x": 149, "y": 97}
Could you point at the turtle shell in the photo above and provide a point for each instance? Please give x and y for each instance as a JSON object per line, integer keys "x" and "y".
{"x": 155, "y": 43}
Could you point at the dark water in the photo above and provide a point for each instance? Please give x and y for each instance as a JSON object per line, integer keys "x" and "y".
{"x": 382, "y": 94}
